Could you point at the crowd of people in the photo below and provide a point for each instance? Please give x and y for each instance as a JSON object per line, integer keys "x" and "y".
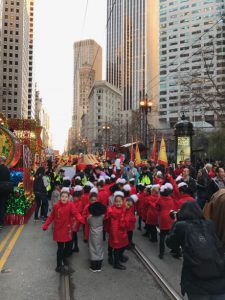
{"x": 103, "y": 202}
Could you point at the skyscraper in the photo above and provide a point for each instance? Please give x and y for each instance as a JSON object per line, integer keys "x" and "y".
{"x": 87, "y": 69}
{"x": 15, "y": 59}
{"x": 191, "y": 56}
{"x": 132, "y": 49}
{"x": 31, "y": 81}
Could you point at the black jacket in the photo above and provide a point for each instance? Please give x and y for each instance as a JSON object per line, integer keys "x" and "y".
{"x": 4, "y": 173}
{"x": 192, "y": 187}
{"x": 39, "y": 186}
{"x": 190, "y": 283}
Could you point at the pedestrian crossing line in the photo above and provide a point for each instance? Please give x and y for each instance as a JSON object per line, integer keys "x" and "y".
{"x": 10, "y": 247}
{"x": 4, "y": 242}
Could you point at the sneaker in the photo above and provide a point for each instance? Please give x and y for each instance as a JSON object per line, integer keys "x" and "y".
{"x": 93, "y": 270}
{"x": 99, "y": 270}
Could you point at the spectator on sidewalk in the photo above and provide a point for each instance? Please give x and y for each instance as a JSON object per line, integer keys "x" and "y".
{"x": 192, "y": 187}
{"x": 5, "y": 188}
{"x": 41, "y": 196}
{"x": 217, "y": 183}
{"x": 203, "y": 264}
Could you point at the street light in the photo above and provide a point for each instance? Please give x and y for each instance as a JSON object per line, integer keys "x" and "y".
{"x": 106, "y": 128}
{"x": 146, "y": 107}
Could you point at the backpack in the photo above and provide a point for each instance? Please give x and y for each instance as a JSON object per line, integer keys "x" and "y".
{"x": 203, "y": 253}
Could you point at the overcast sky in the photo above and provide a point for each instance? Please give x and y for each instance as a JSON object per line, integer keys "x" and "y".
{"x": 58, "y": 24}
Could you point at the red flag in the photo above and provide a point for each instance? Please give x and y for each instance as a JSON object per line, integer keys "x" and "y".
{"x": 154, "y": 149}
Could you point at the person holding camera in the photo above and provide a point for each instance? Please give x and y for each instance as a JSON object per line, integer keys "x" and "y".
{"x": 203, "y": 273}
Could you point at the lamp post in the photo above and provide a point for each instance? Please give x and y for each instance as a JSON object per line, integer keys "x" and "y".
{"x": 146, "y": 107}
{"x": 106, "y": 128}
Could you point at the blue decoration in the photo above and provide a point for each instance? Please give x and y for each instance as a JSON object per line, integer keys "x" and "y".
{"x": 16, "y": 177}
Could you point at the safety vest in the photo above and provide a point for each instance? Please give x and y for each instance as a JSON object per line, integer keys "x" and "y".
{"x": 48, "y": 187}
{"x": 145, "y": 180}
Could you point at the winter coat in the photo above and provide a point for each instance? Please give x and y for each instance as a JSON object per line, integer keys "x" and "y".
{"x": 62, "y": 215}
{"x": 192, "y": 186}
{"x": 190, "y": 283}
{"x": 103, "y": 197}
{"x": 183, "y": 198}
{"x": 133, "y": 190}
{"x": 117, "y": 227}
{"x": 144, "y": 209}
{"x": 85, "y": 199}
{"x": 130, "y": 218}
{"x": 79, "y": 208}
{"x": 95, "y": 241}
{"x": 85, "y": 215}
{"x": 39, "y": 186}
{"x": 4, "y": 173}
{"x": 152, "y": 212}
{"x": 164, "y": 206}
{"x": 139, "y": 203}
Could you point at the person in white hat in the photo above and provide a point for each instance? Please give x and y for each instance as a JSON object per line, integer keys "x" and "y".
{"x": 77, "y": 201}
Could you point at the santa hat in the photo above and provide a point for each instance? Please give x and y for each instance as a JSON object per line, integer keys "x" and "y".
{"x": 101, "y": 179}
{"x": 107, "y": 177}
{"x": 94, "y": 190}
{"x": 119, "y": 181}
{"x": 149, "y": 186}
{"x": 77, "y": 178}
{"x": 118, "y": 193}
{"x": 163, "y": 188}
{"x": 179, "y": 178}
{"x": 78, "y": 188}
{"x": 127, "y": 188}
{"x": 159, "y": 174}
{"x": 65, "y": 190}
{"x": 169, "y": 186}
{"x": 141, "y": 184}
{"x": 155, "y": 186}
{"x": 132, "y": 179}
{"x": 123, "y": 181}
{"x": 134, "y": 197}
{"x": 182, "y": 184}
{"x": 113, "y": 176}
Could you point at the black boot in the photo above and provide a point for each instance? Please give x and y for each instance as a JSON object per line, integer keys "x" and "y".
{"x": 117, "y": 264}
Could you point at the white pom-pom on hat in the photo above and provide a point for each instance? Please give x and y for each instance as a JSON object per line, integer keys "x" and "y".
{"x": 182, "y": 184}
{"x": 127, "y": 188}
{"x": 134, "y": 197}
{"x": 113, "y": 176}
{"x": 94, "y": 190}
{"x": 78, "y": 188}
{"x": 179, "y": 178}
{"x": 169, "y": 186}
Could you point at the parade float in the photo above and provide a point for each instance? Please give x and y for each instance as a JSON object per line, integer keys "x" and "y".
{"x": 19, "y": 144}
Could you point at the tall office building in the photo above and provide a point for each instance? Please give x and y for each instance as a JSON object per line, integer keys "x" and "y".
{"x": 132, "y": 49}
{"x": 87, "y": 69}
{"x": 191, "y": 49}
{"x": 31, "y": 81}
{"x": 15, "y": 58}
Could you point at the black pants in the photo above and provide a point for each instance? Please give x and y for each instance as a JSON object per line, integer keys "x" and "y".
{"x": 153, "y": 233}
{"x": 163, "y": 234}
{"x": 2, "y": 209}
{"x": 62, "y": 252}
{"x": 139, "y": 222}
{"x": 96, "y": 264}
{"x": 117, "y": 255}
{"x": 130, "y": 236}
{"x": 41, "y": 201}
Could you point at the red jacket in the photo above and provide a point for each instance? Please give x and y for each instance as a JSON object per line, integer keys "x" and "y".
{"x": 85, "y": 199}
{"x": 145, "y": 207}
{"x": 117, "y": 227}
{"x": 152, "y": 212}
{"x": 103, "y": 197}
{"x": 158, "y": 180}
{"x": 79, "y": 207}
{"x": 133, "y": 190}
{"x": 130, "y": 218}
{"x": 139, "y": 203}
{"x": 62, "y": 215}
{"x": 165, "y": 205}
{"x": 183, "y": 198}
{"x": 86, "y": 225}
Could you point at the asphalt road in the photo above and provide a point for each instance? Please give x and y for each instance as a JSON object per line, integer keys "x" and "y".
{"x": 32, "y": 273}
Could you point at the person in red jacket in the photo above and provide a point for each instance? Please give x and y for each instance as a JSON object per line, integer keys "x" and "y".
{"x": 145, "y": 209}
{"x": 152, "y": 213}
{"x": 92, "y": 199}
{"x": 117, "y": 227}
{"x": 133, "y": 190}
{"x": 62, "y": 214}
{"x": 184, "y": 196}
{"x": 164, "y": 205}
{"x": 77, "y": 202}
{"x": 103, "y": 196}
{"x": 131, "y": 220}
{"x": 141, "y": 195}
{"x": 86, "y": 193}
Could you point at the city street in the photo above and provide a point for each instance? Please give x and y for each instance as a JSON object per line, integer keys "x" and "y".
{"x": 29, "y": 272}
